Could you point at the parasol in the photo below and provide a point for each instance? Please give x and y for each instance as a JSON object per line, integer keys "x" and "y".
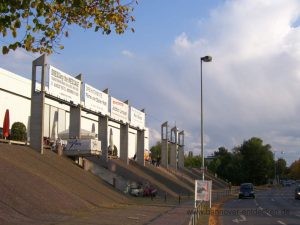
{"x": 6, "y": 124}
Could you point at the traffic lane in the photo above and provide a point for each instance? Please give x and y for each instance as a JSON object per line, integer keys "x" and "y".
{"x": 275, "y": 206}
{"x": 243, "y": 211}
{"x": 280, "y": 204}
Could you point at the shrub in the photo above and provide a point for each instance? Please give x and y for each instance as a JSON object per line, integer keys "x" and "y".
{"x": 18, "y": 132}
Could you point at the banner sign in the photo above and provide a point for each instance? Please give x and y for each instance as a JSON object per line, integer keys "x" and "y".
{"x": 118, "y": 110}
{"x": 83, "y": 147}
{"x": 95, "y": 100}
{"x": 202, "y": 190}
{"x": 137, "y": 118}
{"x": 64, "y": 86}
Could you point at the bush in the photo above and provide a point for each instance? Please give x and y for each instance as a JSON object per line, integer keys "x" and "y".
{"x": 18, "y": 132}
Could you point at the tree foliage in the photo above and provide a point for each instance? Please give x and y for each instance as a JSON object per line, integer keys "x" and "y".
{"x": 295, "y": 170}
{"x": 193, "y": 161}
{"x": 156, "y": 150}
{"x": 258, "y": 162}
{"x": 251, "y": 162}
{"x": 18, "y": 132}
{"x": 39, "y": 25}
{"x": 281, "y": 168}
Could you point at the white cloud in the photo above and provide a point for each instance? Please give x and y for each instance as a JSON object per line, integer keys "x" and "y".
{"x": 154, "y": 136}
{"x": 17, "y": 61}
{"x": 251, "y": 87}
{"x": 127, "y": 53}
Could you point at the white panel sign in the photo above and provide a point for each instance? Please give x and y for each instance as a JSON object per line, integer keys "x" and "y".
{"x": 118, "y": 110}
{"x": 82, "y": 147}
{"x": 64, "y": 86}
{"x": 137, "y": 118}
{"x": 95, "y": 100}
{"x": 202, "y": 190}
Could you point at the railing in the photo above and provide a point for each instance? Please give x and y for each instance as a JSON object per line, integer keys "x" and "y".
{"x": 13, "y": 142}
{"x": 202, "y": 208}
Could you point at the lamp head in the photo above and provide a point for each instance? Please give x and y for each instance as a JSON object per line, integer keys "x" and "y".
{"x": 206, "y": 58}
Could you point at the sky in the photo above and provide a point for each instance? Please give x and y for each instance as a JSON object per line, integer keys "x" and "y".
{"x": 250, "y": 89}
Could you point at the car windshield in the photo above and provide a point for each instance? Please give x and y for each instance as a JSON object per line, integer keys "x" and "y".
{"x": 246, "y": 186}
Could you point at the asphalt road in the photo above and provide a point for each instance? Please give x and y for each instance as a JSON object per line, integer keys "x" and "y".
{"x": 275, "y": 206}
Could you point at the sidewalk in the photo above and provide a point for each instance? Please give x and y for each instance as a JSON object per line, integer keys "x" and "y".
{"x": 178, "y": 215}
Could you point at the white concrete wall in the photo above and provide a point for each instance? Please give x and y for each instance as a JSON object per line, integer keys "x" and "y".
{"x": 14, "y": 83}
{"x": 89, "y": 122}
{"x": 132, "y": 143}
{"x": 116, "y": 134}
{"x": 15, "y": 94}
{"x": 147, "y": 139}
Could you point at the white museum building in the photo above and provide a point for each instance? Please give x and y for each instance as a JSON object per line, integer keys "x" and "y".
{"x": 15, "y": 95}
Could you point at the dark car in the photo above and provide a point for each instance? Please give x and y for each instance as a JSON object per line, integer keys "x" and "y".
{"x": 246, "y": 190}
{"x": 297, "y": 192}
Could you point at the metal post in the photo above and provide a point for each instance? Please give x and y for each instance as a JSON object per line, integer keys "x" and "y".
{"x": 205, "y": 59}
{"x": 202, "y": 152}
{"x": 275, "y": 178}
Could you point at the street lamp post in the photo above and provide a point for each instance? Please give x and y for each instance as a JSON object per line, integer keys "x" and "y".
{"x": 275, "y": 177}
{"x": 203, "y": 59}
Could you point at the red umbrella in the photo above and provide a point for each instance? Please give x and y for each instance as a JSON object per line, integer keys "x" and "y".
{"x": 6, "y": 124}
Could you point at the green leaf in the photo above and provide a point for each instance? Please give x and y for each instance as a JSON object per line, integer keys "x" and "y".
{"x": 17, "y": 24}
{"x": 5, "y": 50}
{"x": 14, "y": 33}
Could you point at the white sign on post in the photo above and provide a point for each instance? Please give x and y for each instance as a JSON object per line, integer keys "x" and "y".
{"x": 137, "y": 118}
{"x": 95, "y": 100}
{"x": 118, "y": 110}
{"x": 203, "y": 190}
{"x": 64, "y": 86}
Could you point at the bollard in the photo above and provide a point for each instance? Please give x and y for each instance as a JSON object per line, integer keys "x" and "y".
{"x": 59, "y": 149}
{"x": 85, "y": 164}
{"x": 114, "y": 182}
{"x": 179, "y": 199}
{"x": 165, "y": 196}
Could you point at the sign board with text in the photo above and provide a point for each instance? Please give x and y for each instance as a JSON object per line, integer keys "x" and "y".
{"x": 137, "y": 118}
{"x": 118, "y": 110}
{"x": 82, "y": 147}
{"x": 203, "y": 190}
{"x": 95, "y": 100}
{"x": 64, "y": 86}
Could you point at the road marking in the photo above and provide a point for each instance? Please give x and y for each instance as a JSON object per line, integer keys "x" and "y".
{"x": 272, "y": 199}
{"x": 279, "y": 221}
{"x": 243, "y": 218}
{"x": 260, "y": 208}
{"x": 268, "y": 214}
{"x": 236, "y": 221}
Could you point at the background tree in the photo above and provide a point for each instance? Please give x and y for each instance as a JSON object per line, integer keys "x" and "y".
{"x": 295, "y": 170}
{"x": 250, "y": 162}
{"x": 227, "y": 165}
{"x": 220, "y": 163}
{"x": 156, "y": 150}
{"x": 281, "y": 168}
{"x": 257, "y": 161}
{"x": 193, "y": 161}
{"x": 39, "y": 25}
